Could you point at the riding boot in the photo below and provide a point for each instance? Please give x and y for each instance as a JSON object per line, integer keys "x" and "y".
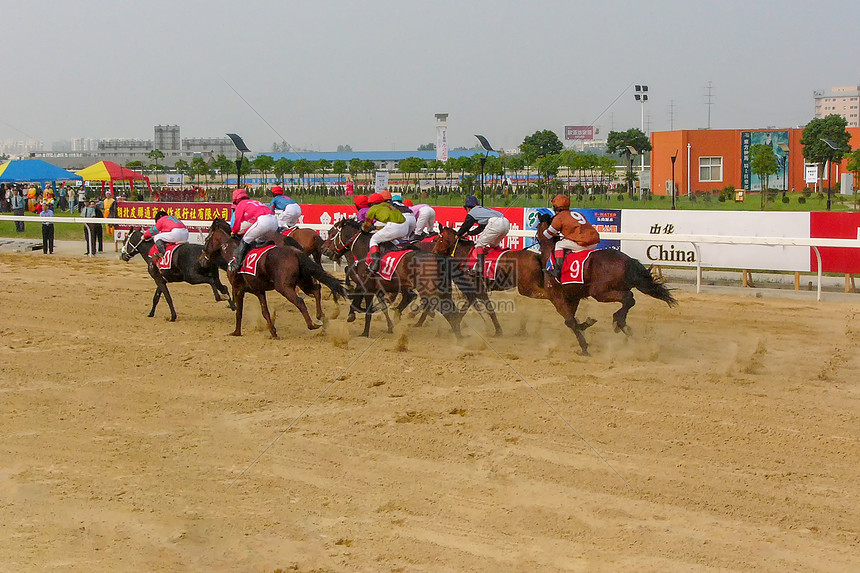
{"x": 238, "y": 256}
{"x": 479, "y": 268}
{"x": 375, "y": 259}
{"x": 556, "y": 268}
{"x": 159, "y": 244}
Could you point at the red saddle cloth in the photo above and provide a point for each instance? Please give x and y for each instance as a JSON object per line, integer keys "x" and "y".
{"x": 288, "y": 232}
{"x": 491, "y": 262}
{"x": 249, "y": 265}
{"x": 167, "y": 260}
{"x": 571, "y": 270}
{"x": 389, "y": 261}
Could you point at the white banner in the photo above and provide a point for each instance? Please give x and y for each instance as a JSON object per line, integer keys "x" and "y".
{"x": 728, "y": 223}
{"x": 810, "y": 171}
{"x": 381, "y": 181}
{"x": 441, "y": 144}
{"x": 175, "y": 179}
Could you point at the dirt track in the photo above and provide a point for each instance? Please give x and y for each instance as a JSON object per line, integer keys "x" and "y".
{"x": 733, "y": 424}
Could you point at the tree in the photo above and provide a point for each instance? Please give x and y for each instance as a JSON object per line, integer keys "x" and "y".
{"x": 302, "y": 167}
{"x": 338, "y": 167}
{"x": 540, "y": 144}
{"x": 181, "y": 166}
{"x": 155, "y": 155}
{"x": 198, "y": 167}
{"x": 853, "y": 166}
{"x": 223, "y": 166}
{"x": 763, "y": 162}
{"x": 264, "y": 164}
{"x": 816, "y": 150}
{"x": 427, "y": 147}
{"x": 621, "y": 141}
{"x": 344, "y": 149}
{"x": 412, "y": 165}
{"x": 134, "y": 165}
{"x": 354, "y": 168}
{"x": 282, "y": 167}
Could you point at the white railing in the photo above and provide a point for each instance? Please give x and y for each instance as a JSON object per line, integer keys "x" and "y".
{"x": 694, "y": 240}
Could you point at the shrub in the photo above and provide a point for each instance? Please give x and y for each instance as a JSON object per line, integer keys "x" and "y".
{"x": 621, "y": 196}
{"x": 785, "y": 200}
{"x": 721, "y": 199}
{"x": 807, "y": 192}
{"x": 801, "y": 200}
{"x": 635, "y": 197}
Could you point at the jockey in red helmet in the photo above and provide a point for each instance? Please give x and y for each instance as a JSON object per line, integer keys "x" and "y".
{"x": 263, "y": 225}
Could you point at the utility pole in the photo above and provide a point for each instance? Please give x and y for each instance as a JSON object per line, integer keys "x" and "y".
{"x": 671, "y": 115}
{"x": 709, "y": 95}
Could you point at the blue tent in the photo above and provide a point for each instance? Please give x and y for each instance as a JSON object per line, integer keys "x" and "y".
{"x": 35, "y": 171}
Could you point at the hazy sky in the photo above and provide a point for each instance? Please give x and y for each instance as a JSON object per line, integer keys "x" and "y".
{"x": 372, "y": 74}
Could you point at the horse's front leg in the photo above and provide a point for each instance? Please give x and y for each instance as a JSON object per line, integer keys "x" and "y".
{"x": 155, "y": 298}
{"x": 239, "y": 299}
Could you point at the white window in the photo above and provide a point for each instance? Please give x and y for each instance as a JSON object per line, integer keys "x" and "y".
{"x": 710, "y": 169}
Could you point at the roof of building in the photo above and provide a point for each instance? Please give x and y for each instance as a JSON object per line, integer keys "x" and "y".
{"x": 374, "y": 155}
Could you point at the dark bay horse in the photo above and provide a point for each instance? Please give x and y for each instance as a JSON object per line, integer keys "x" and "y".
{"x": 418, "y": 271}
{"x": 281, "y": 269}
{"x": 308, "y": 241}
{"x": 609, "y": 276}
{"x": 185, "y": 268}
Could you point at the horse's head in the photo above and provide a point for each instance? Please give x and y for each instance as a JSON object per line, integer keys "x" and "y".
{"x": 544, "y": 220}
{"x": 131, "y": 247}
{"x": 219, "y": 235}
{"x": 341, "y": 237}
{"x": 446, "y": 242}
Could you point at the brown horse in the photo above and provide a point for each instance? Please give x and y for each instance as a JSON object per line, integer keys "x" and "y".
{"x": 609, "y": 276}
{"x": 309, "y": 241}
{"x": 281, "y": 269}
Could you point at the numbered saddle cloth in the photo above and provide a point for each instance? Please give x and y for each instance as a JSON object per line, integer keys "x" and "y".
{"x": 249, "y": 265}
{"x": 167, "y": 260}
{"x": 491, "y": 262}
{"x": 289, "y": 231}
{"x": 388, "y": 263}
{"x": 571, "y": 269}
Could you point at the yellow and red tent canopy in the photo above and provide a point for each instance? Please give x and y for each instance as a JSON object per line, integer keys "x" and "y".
{"x": 108, "y": 171}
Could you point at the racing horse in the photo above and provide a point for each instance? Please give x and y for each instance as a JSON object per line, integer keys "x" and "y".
{"x": 185, "y": 268}
{"x": 608, "y": 276}
{"x": 308, "y": 241}
{"x": 280, "y": 268}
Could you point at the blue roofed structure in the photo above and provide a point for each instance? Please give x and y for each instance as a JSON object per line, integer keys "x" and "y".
{"x": 383, "y": 159}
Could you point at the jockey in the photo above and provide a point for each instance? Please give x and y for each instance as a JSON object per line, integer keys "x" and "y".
{"x": 492, "y": 228}
{"x": 397, "y": 201}
{"x": 395, "y": 227}
{"x": 286, "y": 210}
{"x": 167, "y": 229}
{"x": 263, "y": 225}
{"x": 425, "y": 217}
{"x": 361, "y": 207}
{"x": 577, "y": 234}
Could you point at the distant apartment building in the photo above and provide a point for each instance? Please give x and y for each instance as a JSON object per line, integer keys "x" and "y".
{"x": 843, "y": 101}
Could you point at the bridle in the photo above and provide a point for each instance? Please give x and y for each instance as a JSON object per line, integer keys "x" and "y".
{"x": 135, "y": 246}
{"x": 341, "y": 246}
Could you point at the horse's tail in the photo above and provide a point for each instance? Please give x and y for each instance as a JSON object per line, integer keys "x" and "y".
{"x": 308, "y": 266}
{"x": 640, "y": 277}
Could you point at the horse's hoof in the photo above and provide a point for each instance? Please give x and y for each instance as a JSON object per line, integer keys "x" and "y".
{"x": 314, "y": 326}
{"x": 172, "y": 319}
{"x": 589, "y": 322}
{"x": 150, "y": 315}
{"x": 584, "y": 352}
{"x": 350, "y": 318}
{"x": 498, "y": 334}
{"x": 234, "y": 333}
{"x": 275, "y": 337}
{"x": 364, "y": 335}
{"x": 626, "y": 330}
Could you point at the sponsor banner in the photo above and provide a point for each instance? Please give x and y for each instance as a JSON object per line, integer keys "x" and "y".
{"x": 579, "y": 132}
{"x": 604, "y": 220}
{"x": 442, "y": 143}
{"x": 184, "y": 211}
{"x": 752, "y": 181}
{"x": 175, "y": 179}
{"x": 729, "y": 223}
{"x": 381, "y": 181}
{"x": 810, "y": 173}
{"x": 835, "y": 226}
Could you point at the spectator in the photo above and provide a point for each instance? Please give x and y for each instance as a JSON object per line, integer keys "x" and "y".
{"x": 5, "y": 198}
{"x": 18, "y": 206}
{"x": 89, "y": 211}
{"x": 100, "y": 214}
{"x": 47, "y": 228}
{"x": 82, "y": 197}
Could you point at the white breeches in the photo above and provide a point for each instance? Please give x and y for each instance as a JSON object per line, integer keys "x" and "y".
{"x": 426, "y": 220}
{"x": 178, "y": 235}
{"x": 411, "y": 221}
{"x": 390, "y": 232}
{"x": 494, "y": 233}
{"x": 568, "y": 245}
{"x": 264, "y": 229}
{"x": 289, "y": 217}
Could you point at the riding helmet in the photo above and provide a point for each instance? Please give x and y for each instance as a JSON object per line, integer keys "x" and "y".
{"x": 386, "y": 195}
{"x": 375, "y": 198}
{"x": 396, "y": 197}
{"x": 561, "y": 202}
{"x": 277, "y": 190}
{"x": 471, "y": 201}
{"x": 408, "y": 203}
{"x": 360, "y": 201}
{"x": 239, "y": 195}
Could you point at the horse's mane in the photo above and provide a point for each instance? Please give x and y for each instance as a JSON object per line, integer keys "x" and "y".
{"x": 349, "y": 222}
{"x": 545, "y": 218}
{"x": 221, "y": 224}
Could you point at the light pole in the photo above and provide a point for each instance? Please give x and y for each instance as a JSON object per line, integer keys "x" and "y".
{"x": 834, "y": 147}
{"x": 641, "y": 96}
{"x": 488, "y": 148}
{"x": 784, "y": 148}
{"x": 674, "y": 190}
{"x": 631, "y": 151}
{"x": 241, "y": 148}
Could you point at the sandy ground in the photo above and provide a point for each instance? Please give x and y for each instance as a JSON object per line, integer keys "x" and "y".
{"x": 723, "y": 436}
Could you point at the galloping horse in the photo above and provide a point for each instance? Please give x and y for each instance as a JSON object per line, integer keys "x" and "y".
{"x": 309, "y": 241}
{"x": 281, "y": 269}
{"x": 609, "y": 276}
{"x": 418, "y": 270}
{"x": 185, "y": 268}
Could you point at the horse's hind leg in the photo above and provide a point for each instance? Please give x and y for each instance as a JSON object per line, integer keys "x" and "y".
{"x": 169, "y": 300}
{"x": 155, "y": 298}
{"x": 239, "y": 298}
{"x": 488, "y": 305}
{"x": 619, "y": 319}
{"x": 291, "y": 295}
{"x": 567, "y": 309}
{"x": 264, "y": 308}
{"x": 385, "y": 312}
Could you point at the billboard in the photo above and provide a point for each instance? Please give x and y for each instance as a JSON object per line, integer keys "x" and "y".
{"x": 752, "y": 181}
{"x": 579, "y": 132}
{"x": 604, "y": 220}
